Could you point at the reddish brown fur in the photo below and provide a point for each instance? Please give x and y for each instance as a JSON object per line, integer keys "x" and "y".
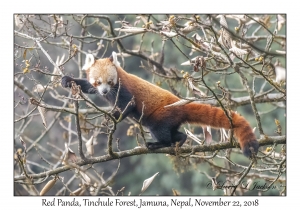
{"x": 155, "y": 98}
{"x": 204, "y": 114}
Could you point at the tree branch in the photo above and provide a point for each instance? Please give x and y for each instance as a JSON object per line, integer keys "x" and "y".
{"x": 270, "y": 140}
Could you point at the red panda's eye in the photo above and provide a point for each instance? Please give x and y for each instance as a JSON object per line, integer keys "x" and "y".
{"x": 109, "y": 82}
{"x": 98, "y": 83}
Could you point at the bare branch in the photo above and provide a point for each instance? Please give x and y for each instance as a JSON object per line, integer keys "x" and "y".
{"x": 168, "y": 150}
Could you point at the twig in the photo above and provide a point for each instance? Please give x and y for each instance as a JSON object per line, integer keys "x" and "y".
{"x": 253, "y": 105}
{"x": 242, "y": 177}
{"x": 82, "y": 156}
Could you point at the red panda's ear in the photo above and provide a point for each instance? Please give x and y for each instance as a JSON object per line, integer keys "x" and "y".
{"x": 111, "y": 58}
{"x": 114, "y": 59}
{"x": 89, "y": 61}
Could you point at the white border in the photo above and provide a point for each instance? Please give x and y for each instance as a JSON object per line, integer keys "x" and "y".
{"x": 153, "y": 6}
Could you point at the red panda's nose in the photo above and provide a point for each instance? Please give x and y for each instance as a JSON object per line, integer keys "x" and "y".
{"x": 104, "y": 91}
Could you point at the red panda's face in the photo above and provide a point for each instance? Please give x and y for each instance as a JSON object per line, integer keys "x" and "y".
{"x": 102, "y": 74}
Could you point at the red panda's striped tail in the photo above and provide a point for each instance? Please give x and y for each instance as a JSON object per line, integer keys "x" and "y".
{"x": 215, "y": 117}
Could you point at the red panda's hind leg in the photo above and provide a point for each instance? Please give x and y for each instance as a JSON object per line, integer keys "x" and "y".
{"x": 178, "y": 137}
{"x": 165, "y": 138}
{"x": 162, "y": 135}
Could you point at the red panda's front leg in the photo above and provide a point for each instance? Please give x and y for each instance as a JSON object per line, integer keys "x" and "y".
{"x": 85, "y": 86}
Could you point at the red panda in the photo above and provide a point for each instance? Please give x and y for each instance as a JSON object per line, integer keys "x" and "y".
{"x": 163, "y": 122}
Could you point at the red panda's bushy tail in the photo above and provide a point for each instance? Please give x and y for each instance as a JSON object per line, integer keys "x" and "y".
{"x": 215, "y": 117}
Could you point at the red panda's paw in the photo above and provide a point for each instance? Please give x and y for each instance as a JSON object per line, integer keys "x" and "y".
{"x": 66, "y": 81}
{"x": 156, "y": 145}
{"x": 250, "y": 148}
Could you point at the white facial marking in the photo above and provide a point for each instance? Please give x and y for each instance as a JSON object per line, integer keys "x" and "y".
{"x": 103, "y": 89}
{"x": 92, "y": 81}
